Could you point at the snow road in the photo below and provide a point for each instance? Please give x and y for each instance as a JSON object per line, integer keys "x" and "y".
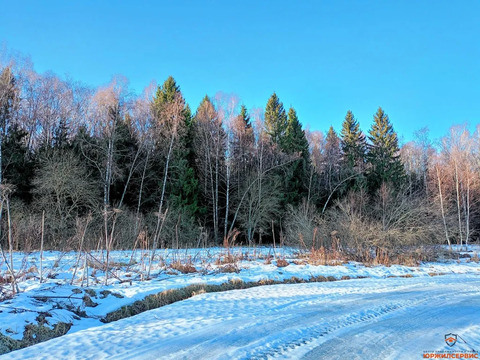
{"x": 354, "y": 319}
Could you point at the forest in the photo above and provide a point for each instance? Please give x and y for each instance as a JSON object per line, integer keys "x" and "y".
{"x": 103, "y": 168}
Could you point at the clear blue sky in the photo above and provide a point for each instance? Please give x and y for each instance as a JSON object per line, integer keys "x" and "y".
{"x": 419, "y": 60}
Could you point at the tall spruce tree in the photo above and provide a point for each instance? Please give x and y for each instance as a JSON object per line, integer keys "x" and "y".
{"x": 125, "y": 156}
{"x": 332, "y": 158}
{"x": 245, "y": 118}
{"x": 60, "y": 135}
{"x": 242, "y": 144}
{"x": 353, "y": 143}
{"x": 383, "y": 155}
{"x": 295, "y": 142}
{"x": 166, "y": 93}
{"x": 18, "y": 165}
{"x": 275, "y": 119}
{"x": 183, "y": 187}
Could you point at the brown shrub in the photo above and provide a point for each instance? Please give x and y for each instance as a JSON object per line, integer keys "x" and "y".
{"x": 228, "y": 268}
{"x": 268, "y": 260}
{"x": 227, "y": 258}
{"x": 184, "y": 268}
{"x": 281, "y": 262}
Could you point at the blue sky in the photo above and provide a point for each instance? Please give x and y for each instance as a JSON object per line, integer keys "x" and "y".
{"x": 419, "y": 60}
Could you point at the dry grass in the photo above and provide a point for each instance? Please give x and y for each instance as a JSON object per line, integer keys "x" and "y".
{"x": 300, "y": 262}
{"x": 228, "y": 268}
{"x": 334, "y": 256}
{"x": 268, "y": 260}
{"x": 228, "y": 258}
{"x": 173, "y": 295}
{"x": 34, "y": 334}
{"x": 184, "y": 268}
{"x": 323, "y": 256}
{"x": 281, "y": 262}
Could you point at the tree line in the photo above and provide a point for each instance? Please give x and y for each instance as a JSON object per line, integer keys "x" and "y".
{"x": 109, "y": 169}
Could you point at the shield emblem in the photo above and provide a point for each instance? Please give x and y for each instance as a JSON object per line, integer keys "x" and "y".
{"x": 451, "y": 339}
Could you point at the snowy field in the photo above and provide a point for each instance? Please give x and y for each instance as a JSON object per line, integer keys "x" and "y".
{"x": 381, "y": 312}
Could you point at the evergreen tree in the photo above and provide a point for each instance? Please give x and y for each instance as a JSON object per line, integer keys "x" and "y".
{"x": 243, "y": 140}
{"x": 332, "y": 158}
{"x": 166, "y": 93}
{"x": 18, "y": 165}
{"x": 183, "y": 186}
{"x": 126, "y": 149}
{"x": 185, "y": 191}
{"x": 354, "y": 152}
{"x": 383, "y": 155}
{"x": 60, "y": 136}
{"x": 187, "y": 113}
{"x": 353, "y": 143}
{"x": 85, "y": 146}
{"x": 295, "y": 142}
{"x": 245, "y": 118}
{"x": 275, "y": 119}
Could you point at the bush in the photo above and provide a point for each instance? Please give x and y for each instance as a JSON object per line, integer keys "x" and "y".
{"x": 302, "y": 226}
{"x": 395, "y": 223}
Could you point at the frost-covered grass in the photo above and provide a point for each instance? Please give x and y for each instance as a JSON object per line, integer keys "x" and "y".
{"x": 73, "y": 291}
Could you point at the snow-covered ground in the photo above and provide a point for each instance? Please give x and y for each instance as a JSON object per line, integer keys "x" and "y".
{"x": 376, "y": 315}
{"x": 395, "y": 318}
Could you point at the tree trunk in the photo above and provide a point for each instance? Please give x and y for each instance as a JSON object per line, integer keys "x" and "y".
{"x": 225, "y": 229}
{"x": 442, "y": 208}
{"x": 162, "y": 197}
{"x": 106, "y": 196}
{"x": 457, "y": 187}
{"x": 140, "y": 192}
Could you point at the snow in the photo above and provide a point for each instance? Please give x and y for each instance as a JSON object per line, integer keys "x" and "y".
{"x": 363, "y": 318}
{"x": 402, "y": 316}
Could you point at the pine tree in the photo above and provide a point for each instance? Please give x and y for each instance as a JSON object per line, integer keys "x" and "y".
{"x": 383, "y": 155}
{"x": 353, "y": 143}
{"x": 275, "y": 119}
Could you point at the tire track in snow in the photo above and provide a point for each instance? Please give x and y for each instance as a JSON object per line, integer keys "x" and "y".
{"x": 319, "y": 331}
{"x": 277, "y": 348}
{"x": 278, "y": 321}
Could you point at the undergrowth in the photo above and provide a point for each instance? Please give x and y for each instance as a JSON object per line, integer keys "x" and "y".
{"x": 33, "y": 334}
